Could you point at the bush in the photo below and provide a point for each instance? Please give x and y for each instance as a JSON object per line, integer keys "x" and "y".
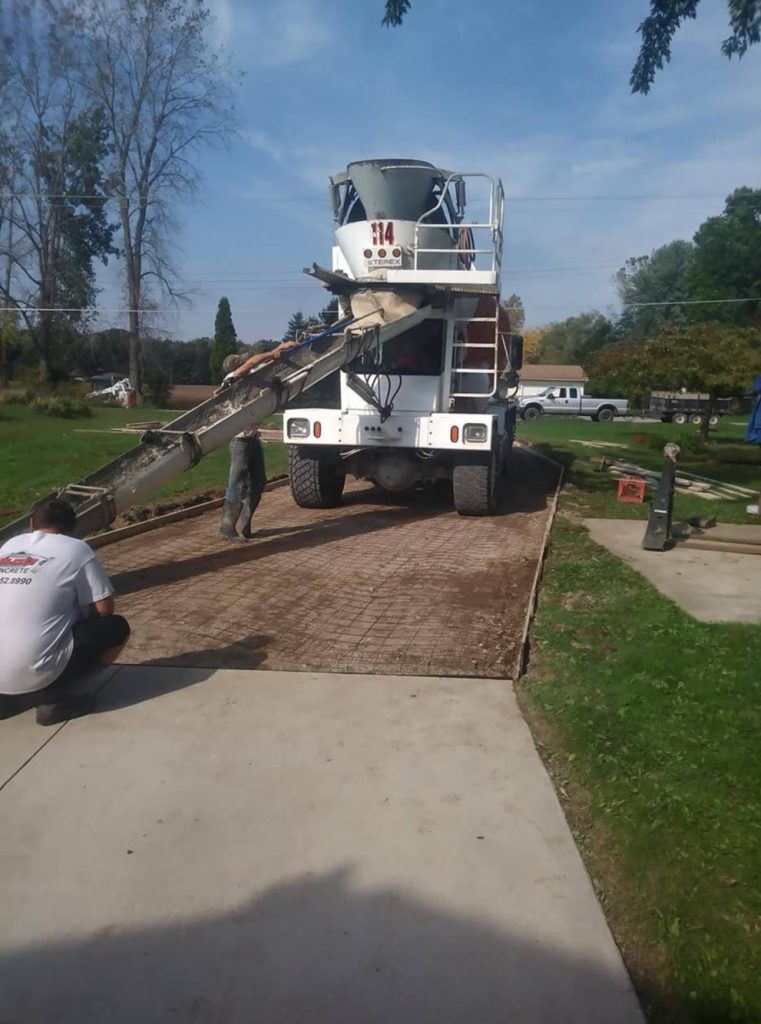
{"x": 690, "y": 442}
{"x": 104, "y": 402}
{"x": 65, "y": 408}
{"x": 157, "y": 388}
{"x": 16, "y": 397}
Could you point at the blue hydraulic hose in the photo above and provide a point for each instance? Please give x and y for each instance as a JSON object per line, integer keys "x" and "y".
{"x": 338, "y": 326}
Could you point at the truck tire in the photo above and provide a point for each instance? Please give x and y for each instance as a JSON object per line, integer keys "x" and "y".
{"x": 532, "y": 412}
{"x": 605, "y": 415}
{"x": 697, "y": 419}
{"x": 713, "y": 420}
{"x": 474, "y": 488}
{"x": 315, "y": 477}
{"x": 680, "y": 418}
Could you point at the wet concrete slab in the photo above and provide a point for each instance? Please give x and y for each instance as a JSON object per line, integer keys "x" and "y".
{"x": 383, "y": 583}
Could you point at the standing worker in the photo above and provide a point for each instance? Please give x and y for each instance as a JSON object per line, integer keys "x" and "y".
{"x": 247, "y": 473}
{"x": 56, "y": 617}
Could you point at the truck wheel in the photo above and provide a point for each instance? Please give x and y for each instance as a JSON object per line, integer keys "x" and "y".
{"x": 697, "y": 420}
{"x": 474, "y": 488}
{"x": 680, "y": 418}
{"x": 605, "y": 415}
{"x": 315, "y": 477}
{"x": 713, "y": 420}
{"x": 532, "y": 413}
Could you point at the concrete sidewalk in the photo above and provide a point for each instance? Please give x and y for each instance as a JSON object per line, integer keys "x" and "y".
{"x": 243, "y": 847}
{"x": 712, "y": 586}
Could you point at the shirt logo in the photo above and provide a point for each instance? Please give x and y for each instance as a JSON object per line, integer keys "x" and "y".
{"x": 22, "y": 561}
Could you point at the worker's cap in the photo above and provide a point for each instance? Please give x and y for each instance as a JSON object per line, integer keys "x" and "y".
{"x": 230, "y": 363}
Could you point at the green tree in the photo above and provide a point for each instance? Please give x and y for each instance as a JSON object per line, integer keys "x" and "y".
{"x": 716, "y": 358}
{"x": 573, "y": 340}
{"x": 225, "y": 339}
{"x": 330, "y": 313}
{"x": 190, "y": 361}
{"x": 666, "y": 16}
{"x": 660, "y": 277}
{"x": 612, "y": 373}
{"x": 516, "y": 313}
{"x": 297, "y": 323}
{"x": 727, "y": 261}
{"x": 657, "y": 31}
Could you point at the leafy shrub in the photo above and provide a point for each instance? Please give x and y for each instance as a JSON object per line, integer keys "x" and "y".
{"x": 16, "y": 397}
{"x": 65, "y": 408}
{"x": 104, "y": 402}
{"x": 690, "y": 442}
{"x": 70, "y": 390}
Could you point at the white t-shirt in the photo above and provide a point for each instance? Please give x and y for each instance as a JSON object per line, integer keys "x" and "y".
{"x": 46, "y": 581}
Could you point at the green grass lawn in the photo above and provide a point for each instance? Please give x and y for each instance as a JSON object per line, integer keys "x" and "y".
{"x": 650, "y": 723}
{"x": 726, "y": 458}
{"x": 39, "y": 453}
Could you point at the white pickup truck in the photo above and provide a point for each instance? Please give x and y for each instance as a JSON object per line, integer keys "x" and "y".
{"x": 571, "y": 401}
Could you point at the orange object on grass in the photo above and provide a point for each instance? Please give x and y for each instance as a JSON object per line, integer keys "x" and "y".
{"x": 631, "y": 488}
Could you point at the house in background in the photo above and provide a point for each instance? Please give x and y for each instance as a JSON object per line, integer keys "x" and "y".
{"x": 535, "y": 377}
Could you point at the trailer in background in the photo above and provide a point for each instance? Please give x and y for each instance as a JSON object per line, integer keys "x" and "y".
{"x": 686, "y": 407}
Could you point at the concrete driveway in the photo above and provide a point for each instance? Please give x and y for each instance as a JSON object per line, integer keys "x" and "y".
{"x": 237, "y": 847}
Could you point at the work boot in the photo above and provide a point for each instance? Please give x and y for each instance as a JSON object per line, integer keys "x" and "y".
{"x": 244, "y": 520}
{"x": 230, "y": 512}
{"x": 63, "y": 710}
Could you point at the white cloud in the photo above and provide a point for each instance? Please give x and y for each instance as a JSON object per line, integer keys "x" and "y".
{"x": 269, "y": 36}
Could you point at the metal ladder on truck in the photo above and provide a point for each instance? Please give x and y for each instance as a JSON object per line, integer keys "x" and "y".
{"x": 100, "y": 497}
{"x": 487, "y": 374}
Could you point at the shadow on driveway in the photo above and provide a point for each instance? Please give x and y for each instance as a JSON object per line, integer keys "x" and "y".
{"x": 318, "y": 950}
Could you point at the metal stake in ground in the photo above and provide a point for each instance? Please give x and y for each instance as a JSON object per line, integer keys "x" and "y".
{"x": 658, "y": 533}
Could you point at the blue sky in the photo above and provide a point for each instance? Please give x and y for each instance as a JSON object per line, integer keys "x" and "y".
{"x": 535, "y": 93}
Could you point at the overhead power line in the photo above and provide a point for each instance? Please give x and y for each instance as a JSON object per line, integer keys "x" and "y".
{"x": 242, "y": 312}
{"x": 296, "y": 197}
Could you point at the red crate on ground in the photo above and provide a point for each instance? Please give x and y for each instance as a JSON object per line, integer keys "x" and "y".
{"x": 631, "y": 488}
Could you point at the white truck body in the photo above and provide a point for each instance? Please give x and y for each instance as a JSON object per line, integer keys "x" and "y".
{"x": 435, "y": 399}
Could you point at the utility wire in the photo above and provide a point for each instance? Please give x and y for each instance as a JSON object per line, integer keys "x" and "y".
{"x": 242, "y": 312}
{"x": 295, "y": 197}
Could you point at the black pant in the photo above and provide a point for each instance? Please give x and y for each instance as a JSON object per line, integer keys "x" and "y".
{"x": 92, "y": 638}
{"x": 247, "y": 473}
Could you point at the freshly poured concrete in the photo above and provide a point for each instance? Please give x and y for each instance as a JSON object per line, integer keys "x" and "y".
{"x": 243, "y": 847}
{"x": 712, "y": 586}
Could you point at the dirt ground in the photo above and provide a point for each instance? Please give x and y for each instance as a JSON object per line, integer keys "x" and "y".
{"x": 383, "y": 584}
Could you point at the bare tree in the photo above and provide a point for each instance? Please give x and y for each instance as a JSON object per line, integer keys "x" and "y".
{"x": 54, "y": 216}
{"x": 8, "y": 162}
{"x": 165, "y": 94}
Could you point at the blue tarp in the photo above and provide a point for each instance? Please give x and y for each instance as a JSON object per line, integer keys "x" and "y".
{"x": 753, "y": 433}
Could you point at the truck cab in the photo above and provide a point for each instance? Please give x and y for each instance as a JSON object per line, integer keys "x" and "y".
{"x": 436, "y": 402}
